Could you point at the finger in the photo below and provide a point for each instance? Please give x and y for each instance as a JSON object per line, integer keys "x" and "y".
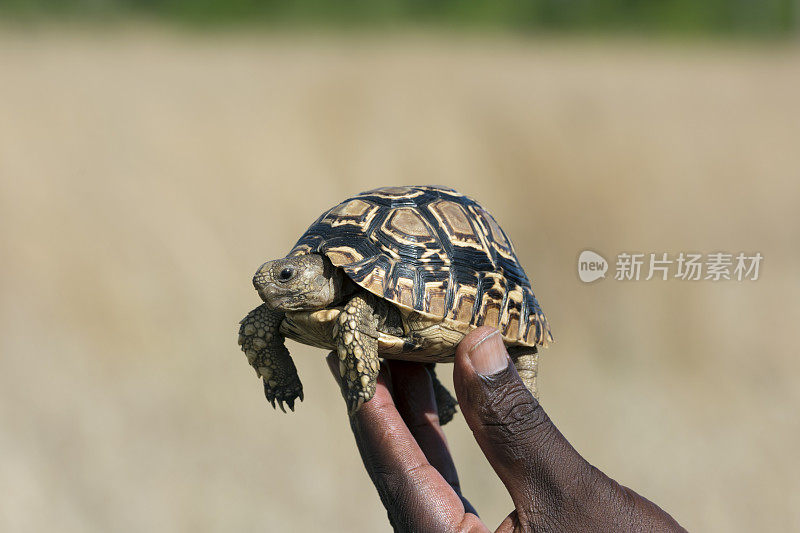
{"x": 416, "y": 402}
{"x": 415, "y": 495}
{"x": 532, "y": 458}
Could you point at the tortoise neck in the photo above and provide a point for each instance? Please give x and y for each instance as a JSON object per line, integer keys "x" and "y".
{"x": 344, "y": 287}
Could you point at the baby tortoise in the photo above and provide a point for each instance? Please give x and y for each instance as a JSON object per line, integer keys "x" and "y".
{"x": 399, "y": 273}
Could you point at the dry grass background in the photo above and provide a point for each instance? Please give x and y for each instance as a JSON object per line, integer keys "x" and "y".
{"x": 144, "y": 175}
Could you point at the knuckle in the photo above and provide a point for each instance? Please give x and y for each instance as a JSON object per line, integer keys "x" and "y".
{"x": 513, "y": 411}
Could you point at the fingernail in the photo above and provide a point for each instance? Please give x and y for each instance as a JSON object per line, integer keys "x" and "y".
{"x": 489, "y": 355}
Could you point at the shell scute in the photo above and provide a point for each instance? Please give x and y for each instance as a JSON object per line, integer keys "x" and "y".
{"x": 434, "y": 251}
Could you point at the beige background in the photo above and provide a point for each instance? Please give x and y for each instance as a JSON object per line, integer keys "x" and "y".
{"x": 145, "y": 174}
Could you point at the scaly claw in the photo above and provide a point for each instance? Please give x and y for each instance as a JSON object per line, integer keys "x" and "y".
{"x": 354, "y": 403}
{"x": 280, "y": 397}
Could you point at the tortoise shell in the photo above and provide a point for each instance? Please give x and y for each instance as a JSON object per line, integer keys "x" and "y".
{"x": 434, "y": 251}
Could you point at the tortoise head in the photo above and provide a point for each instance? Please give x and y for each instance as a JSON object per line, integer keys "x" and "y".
{"x": 298, "y": 283}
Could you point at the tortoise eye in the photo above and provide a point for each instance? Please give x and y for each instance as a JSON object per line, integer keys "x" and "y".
{"x": 286, "y": 274}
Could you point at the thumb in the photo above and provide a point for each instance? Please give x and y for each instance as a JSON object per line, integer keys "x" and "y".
{"x": 532, "y": 458}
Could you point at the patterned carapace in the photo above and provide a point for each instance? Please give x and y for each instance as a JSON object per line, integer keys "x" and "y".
{"x": 431, "y": 250}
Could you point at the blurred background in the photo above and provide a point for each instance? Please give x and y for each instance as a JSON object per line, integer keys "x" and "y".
{"x": 154, "y": 154}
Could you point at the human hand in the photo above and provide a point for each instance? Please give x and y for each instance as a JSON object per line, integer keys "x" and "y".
{"x": 553, "y": 488}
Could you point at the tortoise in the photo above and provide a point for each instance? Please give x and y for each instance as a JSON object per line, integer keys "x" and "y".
{"x": 396, "y": 272}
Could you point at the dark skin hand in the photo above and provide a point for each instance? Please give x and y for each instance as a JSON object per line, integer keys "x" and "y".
{"x": 553, "y": 488}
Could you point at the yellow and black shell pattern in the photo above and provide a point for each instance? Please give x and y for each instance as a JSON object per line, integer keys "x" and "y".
{"x": 435, "y": 251}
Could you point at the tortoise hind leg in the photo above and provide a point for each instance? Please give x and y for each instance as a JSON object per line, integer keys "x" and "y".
{"x": 526, "y": 360}
{"x": 445, "y": 402}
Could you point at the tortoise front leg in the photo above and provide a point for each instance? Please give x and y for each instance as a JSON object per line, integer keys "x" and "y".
{"x": 357, "y": 347}
{"x": 263, "y": 344}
